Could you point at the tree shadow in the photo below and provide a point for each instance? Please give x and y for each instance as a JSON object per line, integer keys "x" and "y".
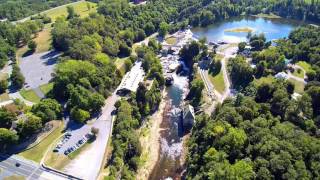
{"x": 28, "y": 53}
{"x": 51, "y": 57}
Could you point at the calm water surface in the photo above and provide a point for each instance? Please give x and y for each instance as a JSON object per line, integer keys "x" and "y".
{"x": 272, "y": 28}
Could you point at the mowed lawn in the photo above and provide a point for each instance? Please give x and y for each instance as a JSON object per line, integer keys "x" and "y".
{"x": 304, "y": 65}
{"x": 298, "y": 73}
{"x": 80, "y": 8}
{"x": 218, "y": 81}
{"x": 267, "y": 80}
{"x": 43, "y": 40}
{"x": 30, "y": 95}
{"x": 36, "y": 153}
{"x": 298, "y": 86}
{"x": 119, "y": 62}
{"x": 46, "y": 88}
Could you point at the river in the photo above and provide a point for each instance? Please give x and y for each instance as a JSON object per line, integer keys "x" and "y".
{"x": 171, "y": 147}
{"x": 169, "y": 165}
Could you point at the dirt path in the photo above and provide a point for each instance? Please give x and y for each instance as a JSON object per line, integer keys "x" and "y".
{"x": 151, "y": 142}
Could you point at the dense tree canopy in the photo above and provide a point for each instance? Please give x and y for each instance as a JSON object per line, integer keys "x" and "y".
{"x": 254, "y": 137}
{"x": 14, "y": 10}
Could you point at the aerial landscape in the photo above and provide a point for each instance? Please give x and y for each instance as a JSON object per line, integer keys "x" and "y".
{"x": 159, "y": 89}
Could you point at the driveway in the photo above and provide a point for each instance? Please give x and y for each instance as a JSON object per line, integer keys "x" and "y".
{"x": 37, "y": 68}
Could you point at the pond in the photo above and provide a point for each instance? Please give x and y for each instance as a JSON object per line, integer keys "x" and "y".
{"x": 235, "y": 30}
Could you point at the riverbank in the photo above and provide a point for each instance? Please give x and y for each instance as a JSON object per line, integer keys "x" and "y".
{"x": 150, "y": 141}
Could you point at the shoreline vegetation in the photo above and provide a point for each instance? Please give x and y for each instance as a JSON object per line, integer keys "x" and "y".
{"x": 240, "y": 30}
{"x": 150, "y": 141}
{"x": 268, "y": 16}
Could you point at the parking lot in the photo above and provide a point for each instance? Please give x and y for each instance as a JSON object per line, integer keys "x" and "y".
{"x": 69, "y": 144}
{"x": 37, "y": 68}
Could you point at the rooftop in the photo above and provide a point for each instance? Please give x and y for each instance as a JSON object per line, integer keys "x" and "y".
{"x": 132, "y": 78}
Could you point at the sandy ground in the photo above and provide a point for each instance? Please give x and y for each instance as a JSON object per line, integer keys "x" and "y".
{"x": 151, "y": 142}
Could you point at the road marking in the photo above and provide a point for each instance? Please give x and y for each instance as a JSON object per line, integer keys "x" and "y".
{"x": 29, "y": 177}
{"x": 14, "y": 168}
{"x": 14, "y": 172}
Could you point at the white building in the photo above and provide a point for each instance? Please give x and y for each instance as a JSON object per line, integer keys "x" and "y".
{"x": 131, "y": 79}
{"x": 282, "y": 75}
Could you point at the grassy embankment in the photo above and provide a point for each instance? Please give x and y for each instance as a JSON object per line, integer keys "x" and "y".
{"x": 36, "y": 153}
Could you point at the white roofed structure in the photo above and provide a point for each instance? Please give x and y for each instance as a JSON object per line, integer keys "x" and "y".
{"x": 131, "y": 79}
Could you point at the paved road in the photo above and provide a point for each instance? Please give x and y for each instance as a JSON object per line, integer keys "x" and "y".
{"x": 27, "y": 169}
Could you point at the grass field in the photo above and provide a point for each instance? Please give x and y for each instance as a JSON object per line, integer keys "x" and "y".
{"x": 36, "y": 153}
{"x": 75, "y": 153}
{"x": 218, "y": 81}
{"x": 57, "y": 161}
{"x": 299, "y": 73}
{"x": 30, "y": 95}
{"x": 298, "y": 86}
{"x": 269, "y": 79}
{"x": 43, "y": 41}
{"x": 80, "y": 8}
{"x": 120, "y": 65}
{"x": 305, "y": 66}
{"x": 46, "y": 88}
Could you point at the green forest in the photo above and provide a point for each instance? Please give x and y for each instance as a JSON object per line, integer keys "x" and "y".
{"x": 262, "y": 133}
{"x": 14, "y": 9}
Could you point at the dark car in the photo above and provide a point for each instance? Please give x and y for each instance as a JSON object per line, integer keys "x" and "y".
{"x": 18, "y": 164}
